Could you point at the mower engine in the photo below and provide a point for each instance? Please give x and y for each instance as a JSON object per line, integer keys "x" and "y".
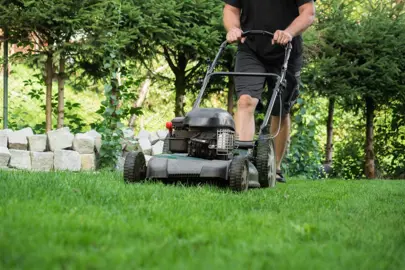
{"x": 204, "y": 133}
{"x": 217, "y": 144}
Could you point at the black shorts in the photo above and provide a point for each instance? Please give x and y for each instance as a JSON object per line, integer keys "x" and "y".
{"x": 248, "y": 61}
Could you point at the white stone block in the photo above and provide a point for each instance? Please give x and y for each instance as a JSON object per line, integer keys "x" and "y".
{"x": 120, "y": 164}
{"x": 145, "y": 146}
{"x": 4, "y": 157}
{"x": 88, "y": 162}
{"x": 60, "y": 139}
{"x": 66, "y": 160}
{"x": 128, "y": 133}
{"x": 97, "y": 139}
{"x": 3, "y": 140}
{"x": 153, "y": 138}
{"x": 162, "y": 134}
{"x": 18, "y": 139}
{"x": 20, "y": 159}
{"x": 84, "y": 144}
{"x": 143, "y": 134}
{"x": 5, "y": 132}
{"x": 42, "y": 161}
{"x": 129, "y": 145}
{"x": 157, "y": 149}
{"x": 37, "y": 143}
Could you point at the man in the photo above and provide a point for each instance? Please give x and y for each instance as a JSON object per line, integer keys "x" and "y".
{"x": 287, "y": 19}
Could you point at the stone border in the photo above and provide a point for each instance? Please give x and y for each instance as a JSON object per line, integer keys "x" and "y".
{"x": 60, "y": 150}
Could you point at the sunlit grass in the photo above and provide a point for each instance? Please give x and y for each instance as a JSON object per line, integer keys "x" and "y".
{"x": 95, "y": 221}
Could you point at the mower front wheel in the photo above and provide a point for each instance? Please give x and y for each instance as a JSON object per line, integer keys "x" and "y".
{"x": 238, "y": 174}
{"x": 134, "y": 167}
{"x": 266, "y": 162}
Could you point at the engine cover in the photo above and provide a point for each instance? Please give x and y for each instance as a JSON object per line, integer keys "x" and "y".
{"x": 209, "y": 118}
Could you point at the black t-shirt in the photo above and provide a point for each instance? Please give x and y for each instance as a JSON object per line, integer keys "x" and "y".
{"x": 269, "y": 15}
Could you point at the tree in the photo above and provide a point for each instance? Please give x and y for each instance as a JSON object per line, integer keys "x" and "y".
{"x": 362, "y": 60}
{"x": 143, "y": 92}
{"x": 47, "y": 28}
{"x": 190, "y": 32}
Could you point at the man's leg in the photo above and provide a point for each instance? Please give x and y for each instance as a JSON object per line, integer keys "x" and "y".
{"x": 245, "y": 121}
{"x": 249, "y": 91}
{"x": 282, "y": 139}
{"x": 289, "y": 97}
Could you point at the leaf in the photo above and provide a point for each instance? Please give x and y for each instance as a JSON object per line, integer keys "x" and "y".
{"x": 136, "y": 111}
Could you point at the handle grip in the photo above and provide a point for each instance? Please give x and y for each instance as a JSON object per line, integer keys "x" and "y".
{"x": 257, "y": 33}
{"x": 262, "y": 33}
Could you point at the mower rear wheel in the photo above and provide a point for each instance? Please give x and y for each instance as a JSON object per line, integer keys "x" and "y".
{"x": 238, "y": 174}
{"x": 266, "y": 162}
{"x": 134, "y": 167}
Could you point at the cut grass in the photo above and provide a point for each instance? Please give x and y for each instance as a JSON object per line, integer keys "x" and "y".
{"x": 95, "y": 221}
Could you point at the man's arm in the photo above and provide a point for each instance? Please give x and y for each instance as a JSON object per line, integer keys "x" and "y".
{"x": 232, "y": 23}
{"x": 298, "y": 26}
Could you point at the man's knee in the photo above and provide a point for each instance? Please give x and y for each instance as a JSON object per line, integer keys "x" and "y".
{"x": 247, "y": 103}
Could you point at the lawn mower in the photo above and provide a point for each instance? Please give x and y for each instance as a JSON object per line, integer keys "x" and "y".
{"x": 203, "y": 146}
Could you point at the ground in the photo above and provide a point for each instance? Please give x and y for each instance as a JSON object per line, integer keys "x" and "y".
{"x": 95, "y": 221}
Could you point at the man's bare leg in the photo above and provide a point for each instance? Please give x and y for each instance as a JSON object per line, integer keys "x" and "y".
{"x": 281, "y": 141}
{"x": 245, "y": 121}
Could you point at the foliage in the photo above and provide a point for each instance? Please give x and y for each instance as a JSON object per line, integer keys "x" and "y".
{"x": 112, "y": 62}
{"x": 190, "y": 32}
{"x": 112, "y": 40}
{"x": 390, "y": 140}
{"x": 75, "y": 122}
{"x": 47, "y": 30}
{"x": 304, "y": 157}
{"x": 360, "y": 56}
{"x": 27, "y": 111}
{"x": 348, "y": 161}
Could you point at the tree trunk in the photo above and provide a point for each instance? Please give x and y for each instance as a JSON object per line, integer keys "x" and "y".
{"x": 231, "y": 91}
{"x": 143, "y": 93}
{"x": 370, "y": 164}
{"x": 61, "y": 91}
{"x": 180, "y": 94}
{"x": 180, "y": 85}
{"x": 48, "y": 80}
{"x": 114, "y": 103}
{"x": 329, "y": 133}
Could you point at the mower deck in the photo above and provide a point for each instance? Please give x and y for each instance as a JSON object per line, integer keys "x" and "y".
{"x": 182, "y": 167}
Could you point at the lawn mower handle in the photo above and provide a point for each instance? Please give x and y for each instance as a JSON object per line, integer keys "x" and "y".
{"x": 280, "y": 78}
{"x": 257, "y": 33}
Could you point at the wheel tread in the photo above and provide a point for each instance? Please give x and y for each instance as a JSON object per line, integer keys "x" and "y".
{"x": 134, "y": 167}
{"x": 166, "y": 145}
{"x": 263, "y": 148}
{"x": 235, "y": 174}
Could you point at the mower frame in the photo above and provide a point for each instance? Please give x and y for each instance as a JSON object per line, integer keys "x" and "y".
{"x": 276, "y": 90}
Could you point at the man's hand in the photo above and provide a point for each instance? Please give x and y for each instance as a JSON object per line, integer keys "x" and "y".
{"x": 234, "y": 35}
{"x": 281, "y": 37}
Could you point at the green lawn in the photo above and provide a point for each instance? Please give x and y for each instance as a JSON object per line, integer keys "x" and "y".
{"x": 95, "y": 221}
